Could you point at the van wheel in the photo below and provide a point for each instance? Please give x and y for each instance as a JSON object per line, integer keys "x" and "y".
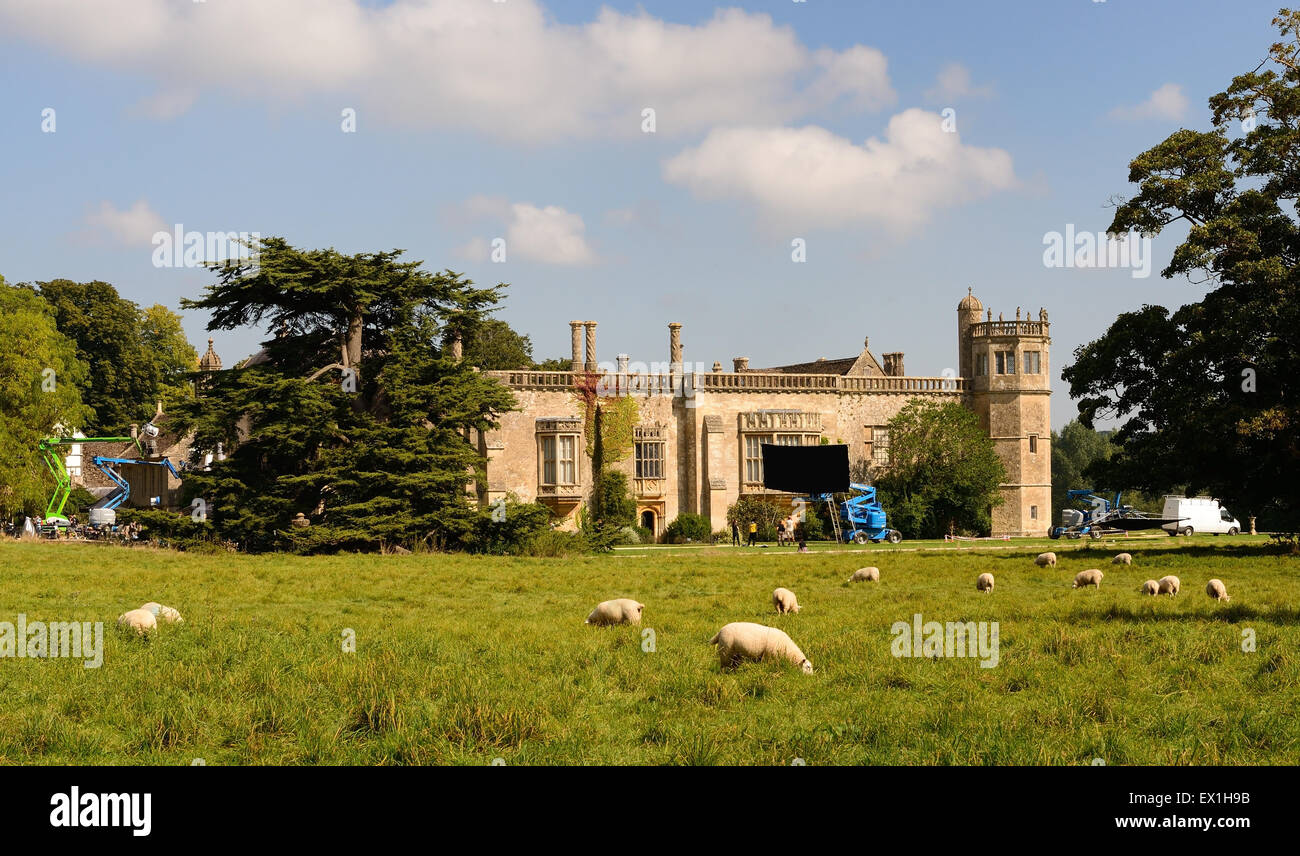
{"x": 1187, "y": 530}
{"x": 1233, "y": 530}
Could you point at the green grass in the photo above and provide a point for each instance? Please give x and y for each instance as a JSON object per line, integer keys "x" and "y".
{"x": 460, "y": 660}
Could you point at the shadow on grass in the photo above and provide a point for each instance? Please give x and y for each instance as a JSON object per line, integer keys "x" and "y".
{"x": 1227, "y": 615}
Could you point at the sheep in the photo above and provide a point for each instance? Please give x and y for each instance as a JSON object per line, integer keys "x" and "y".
{"x": 785, "y": 601}
{"x": 1170, "y": 585}
{"x": 1045, "y": 559}
{"x": 166, "y": 613}
{"x": 621, "y": 611}
{"x": 142, "y": 621}
{"x": 1091, "y": 577}
{"x": 744, "y": 640}
{"x": 1151, "y": 587}
{"x": 1122, "y": 559}
{"x": 865, "y": 575}
{"x": 984, "y": 582}
{"x": 1215, "y": 589}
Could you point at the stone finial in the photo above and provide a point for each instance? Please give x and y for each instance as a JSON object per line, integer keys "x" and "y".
{"x": 1000, "y": 318}
{"x": 210, "y": 362}
{"x": 866, "y": 343}
{"x": 1017, "y": 313}
{"x": 300, "y": 521}
{"x": 717, "y": 366}
{"x": 1042, "y": 315}
{"x": 990, "y": 314}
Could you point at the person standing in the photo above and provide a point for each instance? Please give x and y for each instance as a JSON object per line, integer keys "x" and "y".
{"x": 753, "y": 533}
{"x": 735, "y": 534}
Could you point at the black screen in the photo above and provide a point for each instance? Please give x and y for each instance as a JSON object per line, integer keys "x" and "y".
{"x": 806, "y": 469}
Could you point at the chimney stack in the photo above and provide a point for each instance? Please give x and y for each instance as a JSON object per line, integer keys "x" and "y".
{"x": 590, "y": 364}
{"x": 894, "y": 364}
{"x": 575, "y": 331}
{"x": 622, "y": 363}
{"x": 675, "y": 347}
{"x": 740, "y": 364}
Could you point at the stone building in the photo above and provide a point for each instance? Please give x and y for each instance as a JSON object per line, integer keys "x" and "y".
{"x": 697, "y": 444}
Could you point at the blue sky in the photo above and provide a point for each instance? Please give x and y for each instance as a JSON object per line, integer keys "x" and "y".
{"x": 477, "y": 120}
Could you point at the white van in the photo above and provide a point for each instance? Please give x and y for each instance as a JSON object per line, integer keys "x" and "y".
{"x": 1201, "y": 515}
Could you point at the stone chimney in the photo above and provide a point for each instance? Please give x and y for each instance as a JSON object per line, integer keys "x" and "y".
{"x": 675, "y": 347}
{"x": 590, "y": 355}
{"x": 893, "y": 364}
{"x": 575, "y": 332}
{"x": 740, "y": 364}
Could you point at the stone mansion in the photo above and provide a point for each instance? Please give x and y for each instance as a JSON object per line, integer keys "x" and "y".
{"x": 698, "y": 437}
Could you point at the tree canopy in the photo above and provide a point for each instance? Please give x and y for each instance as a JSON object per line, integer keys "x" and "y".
{"x": 1208, "y": 394}
{"x": 943, "y": 473}
{"x": 355, "y": 414}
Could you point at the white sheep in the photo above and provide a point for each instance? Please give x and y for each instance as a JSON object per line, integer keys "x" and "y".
{"x": 1170, "y": 585}
{"x": 865, "y": 575}
{"x": 984, "y": 582}
{"x": 1215, "y": 589}
{"x": 1090, "y": 577}
{"x": 142, "y": 621}
{"x": 1045, "y": 559}
{"x": 1151, "y": 587}
{"x": 166, "y": 613}
{"x": 785, "y": 601}
{"x": 1122, "y": 559}
{"x": 744, "y": 640}
{"x": 621, "y": 611}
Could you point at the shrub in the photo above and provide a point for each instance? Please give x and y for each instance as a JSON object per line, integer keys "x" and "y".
{"x": 689, "y": 527}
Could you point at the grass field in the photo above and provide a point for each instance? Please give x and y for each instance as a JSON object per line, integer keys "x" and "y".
{"x": 462, "y": 659}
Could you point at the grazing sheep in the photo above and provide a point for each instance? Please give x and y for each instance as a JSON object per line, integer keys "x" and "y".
{"x": 166, "y": 613}
{"x": 865, "y": 575}
{"x": 1170, "y": 585}
{"x": 1215, "y": 589}
{"x": 1045, "y": 559}
{"x": 621, "y": 611}
{"x": 1091, "y": 577}
{"x": 1122, "y": 559}
{"x": 785, "y": 601}
{"x": 1151, "y": 587}
{"x": 142, "y": 621}
{"x": 984, "y": 582}
{"x": 743, "y": 640}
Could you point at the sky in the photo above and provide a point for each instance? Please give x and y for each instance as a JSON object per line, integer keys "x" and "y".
{"x": 782, "y": 178}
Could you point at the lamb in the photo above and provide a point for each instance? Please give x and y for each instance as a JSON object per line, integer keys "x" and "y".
{"x": 1045, "y": 559}
{"x": 166, "y": 613}
{"x": 744, "y": 640}
{"x": 865, "y": 575}
{"x": 1151, "y": 587}
{"x": 621, "y": 611}
{"x": 784, "y": 601}
{"x": 1091, "y": 577}
{"x": 1122, "y": 559}
{"x": 1170, "y": 585}
{"x": 142, "y": 621}
{"x": 984, "y": 582}
{"x": 1215, "y": 589}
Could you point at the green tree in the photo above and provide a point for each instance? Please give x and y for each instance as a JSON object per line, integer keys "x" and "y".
{"x": 40, "y": 394}
{"x": 125, "y": 378}
{"x": 554, "y": 365}
{"x": 164, "y": 338}
{"x": 354, "y": 415}
{"x": 1209, "y": 394}
{"x": 943, "y": 474}
{"x": 494, "y": 345}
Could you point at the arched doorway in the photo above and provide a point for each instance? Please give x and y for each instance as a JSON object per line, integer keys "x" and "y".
{"x": 648, "y": 520}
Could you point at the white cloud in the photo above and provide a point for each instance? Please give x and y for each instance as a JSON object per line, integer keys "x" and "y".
{"x": 809, "y": 177}
{"x": 165, "y": 105}
{"x": 133, "y": 226}
{"x": 505, "y": 69}
{"x": 1167, "y": 102}
{"x": 953, "y": 83}
{"x": 550, "y": 235}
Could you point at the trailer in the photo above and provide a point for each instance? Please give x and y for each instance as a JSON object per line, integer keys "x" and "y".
{"x": 1104, "y": 517}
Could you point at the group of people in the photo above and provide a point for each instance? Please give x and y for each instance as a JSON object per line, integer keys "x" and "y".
{"x": 785, "y": 534}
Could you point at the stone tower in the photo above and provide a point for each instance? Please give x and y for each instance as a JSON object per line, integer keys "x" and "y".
{"x": 1009, "y": 370}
